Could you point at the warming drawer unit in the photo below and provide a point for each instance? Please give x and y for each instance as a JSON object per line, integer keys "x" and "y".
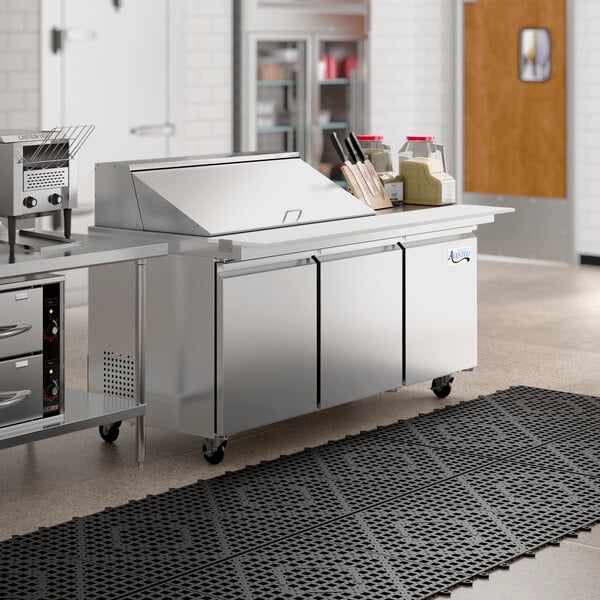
{"x": 31, "y": 351}
{"x": 281, "y": 293}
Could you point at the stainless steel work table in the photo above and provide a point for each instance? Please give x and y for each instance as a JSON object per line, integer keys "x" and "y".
{"x": 83, "y": 410}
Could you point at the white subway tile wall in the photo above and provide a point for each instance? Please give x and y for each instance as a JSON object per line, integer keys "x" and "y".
{"x": 209, "y": 85}
{"x": 19, "y": 64}
{"x": 412, "y": 75}
{"x": 412, "y": 70}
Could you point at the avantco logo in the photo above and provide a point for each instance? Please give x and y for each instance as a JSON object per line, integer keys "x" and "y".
{"x": 458, "y": 255}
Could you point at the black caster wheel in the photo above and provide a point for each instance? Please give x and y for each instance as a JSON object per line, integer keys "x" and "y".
{"x": 110, "y": 432}
{"x": 214, "y": 457}
{"x": 442, "y": 386}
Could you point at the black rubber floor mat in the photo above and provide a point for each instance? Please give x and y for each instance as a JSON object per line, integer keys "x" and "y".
{"x": 404, "y": 511}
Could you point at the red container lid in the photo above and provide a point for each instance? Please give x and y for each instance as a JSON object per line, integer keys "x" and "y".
{"x": 420, "y": 138}
{"x": 369, "y": 138}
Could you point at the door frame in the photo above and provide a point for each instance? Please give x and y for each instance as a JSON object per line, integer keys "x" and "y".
{"x": 52, "y": 77}
{"x": 506, "y": 239}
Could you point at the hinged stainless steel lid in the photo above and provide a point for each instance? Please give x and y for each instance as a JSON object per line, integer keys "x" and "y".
{"x": 238, "y": 194}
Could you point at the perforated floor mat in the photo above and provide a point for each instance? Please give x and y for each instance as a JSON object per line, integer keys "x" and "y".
{"x": 405, "y": 511}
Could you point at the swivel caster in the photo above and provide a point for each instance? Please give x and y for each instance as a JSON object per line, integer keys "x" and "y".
{"x": 442, "y": 386}
{"x": 214, "y": 450}
{"x": 110, "y": 432}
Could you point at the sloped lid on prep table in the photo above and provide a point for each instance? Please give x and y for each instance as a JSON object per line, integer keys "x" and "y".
{"x": 256, "y": 192}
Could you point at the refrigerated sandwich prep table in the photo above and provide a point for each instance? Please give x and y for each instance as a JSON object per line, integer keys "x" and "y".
{"x": 281, "y": 294}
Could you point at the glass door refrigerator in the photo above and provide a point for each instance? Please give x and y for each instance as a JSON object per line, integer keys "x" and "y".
{"x": 299, "y": 74}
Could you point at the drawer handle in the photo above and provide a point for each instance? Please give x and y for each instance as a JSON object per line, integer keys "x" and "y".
{"x": 8, "y": 331}
{"x": 13, "y": 398}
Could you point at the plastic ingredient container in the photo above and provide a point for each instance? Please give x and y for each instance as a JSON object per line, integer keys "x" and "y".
{"x": 379, "y": 153}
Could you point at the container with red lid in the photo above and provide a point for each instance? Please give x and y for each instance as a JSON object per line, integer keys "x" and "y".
{"x": 379, "y": 153}
{"x": 424, "y": 146}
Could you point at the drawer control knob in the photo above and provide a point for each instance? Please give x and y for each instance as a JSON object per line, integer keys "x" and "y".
{"x": 55, "y": 199}
{"x": 52, "y": 389}
{"x": 52, "y": 328}
{"x": 30, "y": 202}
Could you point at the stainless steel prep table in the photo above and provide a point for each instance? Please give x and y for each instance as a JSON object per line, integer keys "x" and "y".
{"x": 281, "y": 294}
{"x": 82, "y": 410}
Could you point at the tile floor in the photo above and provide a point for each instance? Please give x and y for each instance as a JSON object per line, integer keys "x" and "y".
{"x": 538, "y": 326}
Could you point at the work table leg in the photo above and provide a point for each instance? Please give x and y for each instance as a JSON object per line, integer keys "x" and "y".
{"x": 140, "y": 355}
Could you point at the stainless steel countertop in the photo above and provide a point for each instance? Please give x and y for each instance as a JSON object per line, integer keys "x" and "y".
{"x": 407, "y": 219}
{"x": 95, "y": 249}
{"x": 399, "y": 222}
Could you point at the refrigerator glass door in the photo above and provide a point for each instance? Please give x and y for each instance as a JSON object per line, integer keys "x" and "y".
{"x": 280, "y": 109}
{"x": 340, "y": 103}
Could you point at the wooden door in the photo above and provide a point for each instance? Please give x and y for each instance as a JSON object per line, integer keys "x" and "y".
{"x": 514, "y": 130}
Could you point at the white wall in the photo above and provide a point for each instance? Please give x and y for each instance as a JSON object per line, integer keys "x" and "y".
{"x": 412, "y": 92}
{"x": 586, "y": 157}
{"x": 209, "y": 65}
{"x": 412, "y": 70}
{"x": 208, "y": 71}
{"x": 19, "y": 63}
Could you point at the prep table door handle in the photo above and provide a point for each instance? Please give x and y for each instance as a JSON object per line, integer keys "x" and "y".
{"x": 13, "y": 398}
{"x": 161, "y": 129}
{"x": 8, "y": 331}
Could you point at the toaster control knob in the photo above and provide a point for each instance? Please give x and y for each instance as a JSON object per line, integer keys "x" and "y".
{"x": 55, "y": 199}
{"x": 52, "y": 328}
{"x": 52, "y": 389}
{"x": 30, "y": 202}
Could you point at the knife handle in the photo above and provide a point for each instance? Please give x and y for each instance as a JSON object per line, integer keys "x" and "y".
{"x": 338, "y": 147}
{"x": 357, "y": 147}
{"x": 351, "y": 152}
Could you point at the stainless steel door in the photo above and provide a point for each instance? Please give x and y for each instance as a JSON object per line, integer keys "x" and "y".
{"x": 440, "y": 307}
{"x": 266, "y": 345}
{"x": 20, "y": 322}
{"x": 361, "y": 324}
{"x": 20, "y": 390}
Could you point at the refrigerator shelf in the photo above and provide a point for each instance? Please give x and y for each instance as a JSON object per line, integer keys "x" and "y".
{"x": 338, "y": 81}
{"x": 276, "y": 129}
{"x": 334, "y": 125}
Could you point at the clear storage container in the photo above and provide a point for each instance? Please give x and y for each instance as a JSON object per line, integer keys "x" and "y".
{"x": 423, "y": 146}
{"x": 378, "y": 152}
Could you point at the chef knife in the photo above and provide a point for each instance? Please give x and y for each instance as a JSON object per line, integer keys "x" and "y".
{"x": 352, "y": 180}
{"x": 371, "y": 170}
{"x": 358, "y": 167}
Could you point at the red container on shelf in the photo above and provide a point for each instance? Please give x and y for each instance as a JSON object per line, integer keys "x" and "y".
{"x": 349, "y": 64}
{"x": 331, "y": 71}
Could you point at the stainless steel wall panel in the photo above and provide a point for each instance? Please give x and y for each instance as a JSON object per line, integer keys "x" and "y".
{"x": 266, "y": 346}
{"x": 361, "y": 325}
{"x": 440, "y": 307}
{"x": 522, "y": 235}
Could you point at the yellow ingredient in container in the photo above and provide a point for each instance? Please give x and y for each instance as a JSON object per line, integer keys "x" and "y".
{"x": 426, "y": 183}
{"x": 381, "y": 159}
